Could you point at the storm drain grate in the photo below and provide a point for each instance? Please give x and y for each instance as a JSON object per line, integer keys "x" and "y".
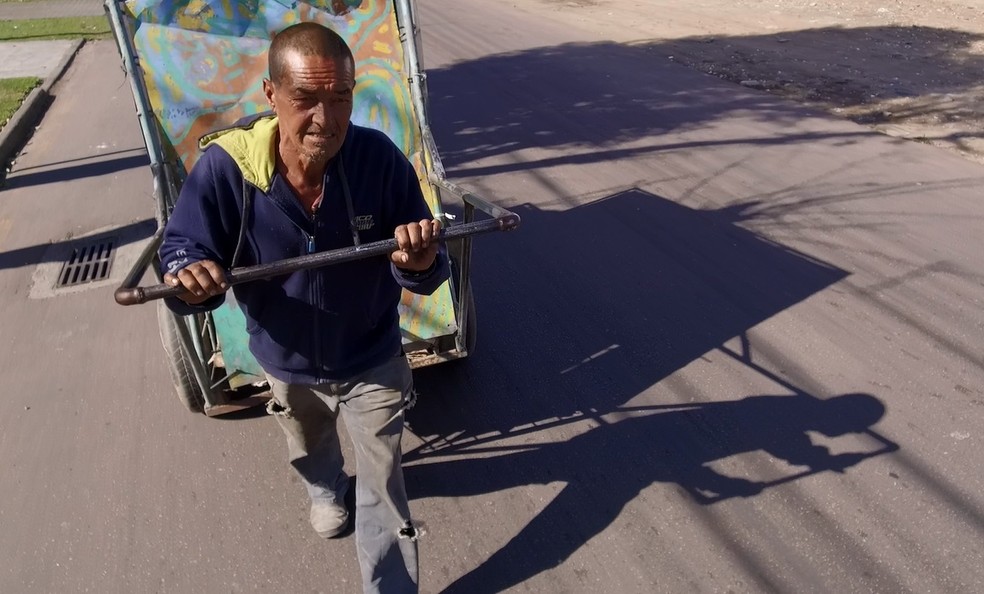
{"x": 88, "y": 263}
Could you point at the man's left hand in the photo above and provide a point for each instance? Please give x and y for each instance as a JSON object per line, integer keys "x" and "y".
{"x": 418, "y": 245}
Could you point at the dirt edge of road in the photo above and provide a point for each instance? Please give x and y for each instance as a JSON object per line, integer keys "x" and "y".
{"x": 907, "y": 68}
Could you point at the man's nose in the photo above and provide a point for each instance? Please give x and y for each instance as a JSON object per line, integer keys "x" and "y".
{"x": 320, "y": 115}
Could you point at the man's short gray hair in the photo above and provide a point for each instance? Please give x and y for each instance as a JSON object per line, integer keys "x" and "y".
{"x": 306, "y": 39}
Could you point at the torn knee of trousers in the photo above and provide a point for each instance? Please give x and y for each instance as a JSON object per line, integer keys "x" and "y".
{"x": 278, "y": 410}
{"x": 412, "y": 532}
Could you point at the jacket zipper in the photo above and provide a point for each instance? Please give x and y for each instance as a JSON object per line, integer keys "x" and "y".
{"x": 314, "y": 282}
{"x": 315, "y": 285}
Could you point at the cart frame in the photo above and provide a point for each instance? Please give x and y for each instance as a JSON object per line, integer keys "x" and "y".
{"x": 192, "y": 343}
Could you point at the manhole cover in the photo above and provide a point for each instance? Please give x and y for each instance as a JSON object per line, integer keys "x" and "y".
{"x": 87, "y": 263}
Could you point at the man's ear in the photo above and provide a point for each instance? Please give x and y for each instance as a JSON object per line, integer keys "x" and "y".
{"x": 268, "y": 92}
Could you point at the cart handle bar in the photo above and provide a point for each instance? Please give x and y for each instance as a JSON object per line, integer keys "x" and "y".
{"x": 130, "y": 295}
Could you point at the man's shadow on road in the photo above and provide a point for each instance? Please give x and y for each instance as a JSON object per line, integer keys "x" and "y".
{"x": 580, "y": 313}
{"x": 605, "y": 468}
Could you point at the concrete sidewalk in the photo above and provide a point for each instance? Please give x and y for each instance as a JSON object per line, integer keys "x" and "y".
{"x": 47, "y": 60}
{"x": 34, "y": 58}
{"x": 40, "y": 58}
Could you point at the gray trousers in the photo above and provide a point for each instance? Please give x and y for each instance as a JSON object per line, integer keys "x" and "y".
{"x": 371, "y": 405}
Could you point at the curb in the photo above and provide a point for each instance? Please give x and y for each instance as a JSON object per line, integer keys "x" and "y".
{"x": 21, "y": 125}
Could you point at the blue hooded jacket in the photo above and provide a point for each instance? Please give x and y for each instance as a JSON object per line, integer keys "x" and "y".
{"x": 315, "y": 325}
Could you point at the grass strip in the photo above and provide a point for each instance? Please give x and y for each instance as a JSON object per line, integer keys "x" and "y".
{"x": 88, "y": 27}
{"x": 12, "y": 94}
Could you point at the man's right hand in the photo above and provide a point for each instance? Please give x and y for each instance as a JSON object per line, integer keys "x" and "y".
{"x": 201, "y": 280}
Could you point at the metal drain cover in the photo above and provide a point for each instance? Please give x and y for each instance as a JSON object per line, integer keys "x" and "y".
{"x": 88, "y": 263}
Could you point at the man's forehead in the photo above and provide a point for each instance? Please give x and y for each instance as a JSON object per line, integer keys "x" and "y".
{"x": 294, "y": 59}
{"x": 312, "y": 84}
{"x": 303, "y": 70}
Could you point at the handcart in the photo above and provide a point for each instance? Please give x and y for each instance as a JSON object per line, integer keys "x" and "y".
{"x": 196, "y": 66}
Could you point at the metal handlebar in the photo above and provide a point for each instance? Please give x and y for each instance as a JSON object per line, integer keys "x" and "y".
{"x": 130, "y": 294}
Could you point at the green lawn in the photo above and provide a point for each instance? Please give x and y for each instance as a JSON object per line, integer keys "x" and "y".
{"x": 12, "y": 93}
{"x": 91, "y": 27}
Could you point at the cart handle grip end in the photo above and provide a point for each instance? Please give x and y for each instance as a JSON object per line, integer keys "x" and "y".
{"x": 129, "y": 294}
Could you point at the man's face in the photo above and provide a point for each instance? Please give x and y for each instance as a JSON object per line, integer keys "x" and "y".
{"x": 313, "y": 103}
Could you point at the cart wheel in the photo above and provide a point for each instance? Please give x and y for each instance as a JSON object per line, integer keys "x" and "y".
{"x": 179, "y": 361}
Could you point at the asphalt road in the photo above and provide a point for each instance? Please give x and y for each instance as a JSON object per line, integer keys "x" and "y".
{"x": 736, "y": 346}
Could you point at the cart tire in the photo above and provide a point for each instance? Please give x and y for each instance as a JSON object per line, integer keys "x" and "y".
{"x": 179, "y": 361}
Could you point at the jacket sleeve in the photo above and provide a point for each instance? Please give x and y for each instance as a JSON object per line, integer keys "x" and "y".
{"x": 411, "y": 207}
{"x": 203, "y": 226}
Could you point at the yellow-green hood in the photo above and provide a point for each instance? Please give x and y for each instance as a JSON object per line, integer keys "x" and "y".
{"x": 252, "y": 147}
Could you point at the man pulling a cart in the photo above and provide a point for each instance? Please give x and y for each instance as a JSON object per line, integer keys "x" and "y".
{"x": 299, "y": 180}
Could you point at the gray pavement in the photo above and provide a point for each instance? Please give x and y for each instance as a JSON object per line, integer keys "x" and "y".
{"x": 39, "y": 58}
{"x": 734, "y": 347}
{"x": 44, "y": 59}
{"x": 34, "y": 58}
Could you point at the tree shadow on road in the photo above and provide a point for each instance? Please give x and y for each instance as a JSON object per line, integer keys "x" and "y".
{"x": 556, "y": 391}
{"x": 599, "y": 97}
{"x": 616, "y": 100}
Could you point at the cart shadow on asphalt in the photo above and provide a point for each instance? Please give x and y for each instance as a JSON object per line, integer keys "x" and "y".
{"x": 576, "y": 325}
